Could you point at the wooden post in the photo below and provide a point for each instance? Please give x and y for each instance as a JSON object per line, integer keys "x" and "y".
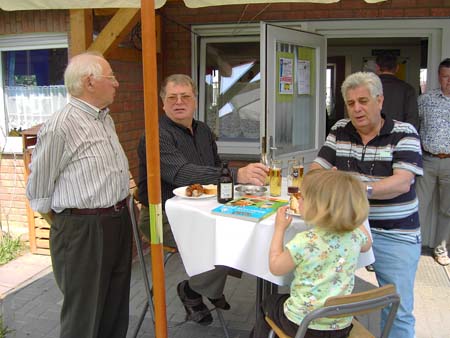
{"x": 81, "y": 28}
{"x": 153, "y": 165}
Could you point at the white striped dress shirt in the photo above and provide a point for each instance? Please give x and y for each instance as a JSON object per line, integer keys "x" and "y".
{"x": 78, "y": 161}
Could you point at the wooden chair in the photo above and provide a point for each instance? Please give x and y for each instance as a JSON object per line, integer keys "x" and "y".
{"x": 169, "y": 252}
{"x": 354, "y": 304}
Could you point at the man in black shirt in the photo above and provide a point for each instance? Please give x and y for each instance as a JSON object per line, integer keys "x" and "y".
{"x": 188, "y": 155}
{"x": 400, "y": 98}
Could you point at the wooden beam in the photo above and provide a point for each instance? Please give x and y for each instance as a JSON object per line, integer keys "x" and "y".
{"x": 81, "y": 30}
{"x": 116, "y": 29}
{"x": 105, "y": 11}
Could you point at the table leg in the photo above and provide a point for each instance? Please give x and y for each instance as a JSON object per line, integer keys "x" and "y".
{"x": 259, "y": 295}
{"x": 264, "y": 288}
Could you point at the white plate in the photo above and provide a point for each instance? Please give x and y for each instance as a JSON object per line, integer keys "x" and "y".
{"x": 291, "y": 213}
{"x": 181, "y": 192}
{"x": 251, "y": 190}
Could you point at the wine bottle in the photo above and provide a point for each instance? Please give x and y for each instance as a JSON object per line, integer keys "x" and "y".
{"x": 225, "y": 186}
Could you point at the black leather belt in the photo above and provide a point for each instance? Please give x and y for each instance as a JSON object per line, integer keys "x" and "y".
{"x": 441, "y": 156}
{"x": 99, "y": 211}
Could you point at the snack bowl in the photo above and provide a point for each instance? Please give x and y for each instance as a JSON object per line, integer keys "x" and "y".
{"x": 251, "y": 190}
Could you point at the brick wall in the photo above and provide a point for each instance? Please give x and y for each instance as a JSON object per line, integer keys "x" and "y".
{"x": 12, "y": 192}
{"x": 176, "y": 19}
{"x": 128, "y": 109}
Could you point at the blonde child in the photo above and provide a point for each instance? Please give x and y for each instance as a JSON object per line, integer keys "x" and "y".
{"x": 323, "y": 258}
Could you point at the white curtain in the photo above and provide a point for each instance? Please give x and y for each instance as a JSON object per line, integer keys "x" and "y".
{"x": 27, "y": 106}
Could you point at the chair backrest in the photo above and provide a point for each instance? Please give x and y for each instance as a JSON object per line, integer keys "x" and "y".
{"x": 133, "y": 210}
{"x": 356, "y": 304}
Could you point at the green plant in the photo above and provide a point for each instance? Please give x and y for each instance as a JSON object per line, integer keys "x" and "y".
{"x": 9, "y": 248}
{"x": 4, "y": 330}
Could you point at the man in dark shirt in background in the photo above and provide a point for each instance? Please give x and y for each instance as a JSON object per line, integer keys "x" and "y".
{"x": 400, "y": 98}
{"x": 188, "y": 155}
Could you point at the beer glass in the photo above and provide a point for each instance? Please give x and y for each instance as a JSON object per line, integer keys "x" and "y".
{"x": 293, "y": 176}
{"x": 301, "y": 172}
{"x": 275, "y": 178}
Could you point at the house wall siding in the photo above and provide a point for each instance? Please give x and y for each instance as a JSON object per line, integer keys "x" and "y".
{"x": 22, "y": 22}
{"x": 177, "y": 19}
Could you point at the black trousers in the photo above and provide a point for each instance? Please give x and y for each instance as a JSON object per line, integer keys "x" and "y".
{"x": 273, "y": 308}
{"x": 91, "y": 258}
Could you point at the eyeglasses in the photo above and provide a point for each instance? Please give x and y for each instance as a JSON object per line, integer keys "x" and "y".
{"x": 111, "y": 77}
{"x": 173, "y": 98}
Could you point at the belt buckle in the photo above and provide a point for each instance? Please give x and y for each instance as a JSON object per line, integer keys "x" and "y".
{"x": 117, "y": 207}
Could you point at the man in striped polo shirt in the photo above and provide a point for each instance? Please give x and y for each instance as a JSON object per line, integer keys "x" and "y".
{"x": 386, "y": 155}
{"x": 79, "y": 175}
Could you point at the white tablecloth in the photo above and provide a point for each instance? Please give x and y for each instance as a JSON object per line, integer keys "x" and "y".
{"x": 205, "y": 240}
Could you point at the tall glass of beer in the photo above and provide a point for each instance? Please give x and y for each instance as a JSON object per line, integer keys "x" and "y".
{"x": 275, "y": 178}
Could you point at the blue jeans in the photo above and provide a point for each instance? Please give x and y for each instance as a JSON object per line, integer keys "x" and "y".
{"x": 396, "y": 258}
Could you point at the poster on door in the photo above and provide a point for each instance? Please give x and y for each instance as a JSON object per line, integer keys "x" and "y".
{"x": 286, "y": 75}
{"x": 303, "y": 77}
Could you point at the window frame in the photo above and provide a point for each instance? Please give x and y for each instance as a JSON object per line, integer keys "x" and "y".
{"x": 18, "y": 42}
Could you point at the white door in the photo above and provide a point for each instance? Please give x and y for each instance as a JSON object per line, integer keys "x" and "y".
{"x": 293, "y": 93}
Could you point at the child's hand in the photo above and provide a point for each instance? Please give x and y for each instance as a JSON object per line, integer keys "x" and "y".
{"x": 282, "y": 220}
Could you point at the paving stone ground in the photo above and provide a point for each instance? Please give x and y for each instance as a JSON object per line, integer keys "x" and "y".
{"x": 33, "y": 310}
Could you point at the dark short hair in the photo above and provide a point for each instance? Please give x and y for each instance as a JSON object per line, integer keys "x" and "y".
{"x": 387, "y": 61}
{"x": 444, "y": 64}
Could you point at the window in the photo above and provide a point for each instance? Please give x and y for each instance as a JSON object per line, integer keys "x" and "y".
{"x": 32, "y": 84}
{"x": 230, "y": 92}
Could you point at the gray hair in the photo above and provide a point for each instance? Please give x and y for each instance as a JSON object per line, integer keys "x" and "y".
{"x": 79, "y": 67}
{"x": 367, "y": 79}
{"x": 178, "y": 79}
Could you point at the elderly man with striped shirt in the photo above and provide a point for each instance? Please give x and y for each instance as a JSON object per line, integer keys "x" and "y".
{"x": 79, "y": 176}
{"x": 386, "y": 155}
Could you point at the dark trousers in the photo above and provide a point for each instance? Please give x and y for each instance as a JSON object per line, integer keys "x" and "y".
{"x": 91, "y": 258}
{"x": 273, "y": 308}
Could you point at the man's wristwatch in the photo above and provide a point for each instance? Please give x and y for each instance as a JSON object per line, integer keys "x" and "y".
{"x": 369, "y": 191}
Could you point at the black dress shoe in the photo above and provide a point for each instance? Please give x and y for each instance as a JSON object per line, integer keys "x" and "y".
{"x": 196, "y": 310}
{"x": 220, "y": 303}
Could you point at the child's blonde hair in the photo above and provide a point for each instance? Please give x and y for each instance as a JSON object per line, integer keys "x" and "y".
{"x": 334, "y": 200}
